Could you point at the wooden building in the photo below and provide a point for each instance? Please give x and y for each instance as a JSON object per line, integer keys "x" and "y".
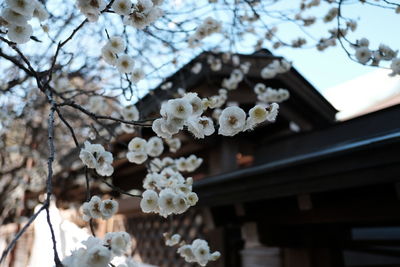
{"x": 306, "y": 191}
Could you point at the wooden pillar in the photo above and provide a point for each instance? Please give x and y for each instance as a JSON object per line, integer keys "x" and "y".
{"x": 223, "y": 157}
{"x": 254, "y": 253}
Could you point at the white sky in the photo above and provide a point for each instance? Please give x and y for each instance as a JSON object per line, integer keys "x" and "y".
{"x": 354, "y": 96}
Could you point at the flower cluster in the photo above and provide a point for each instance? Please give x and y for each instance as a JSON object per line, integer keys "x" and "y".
{"x": 172, "y": 240}
{"x": 196, "y": 68}
{"x": 274, "y": 68}
{"x": 180, "y": 112}
{"x": 94, "y": 156}
{"x": 233, "y": 119}
{"x": 137, "y": 75}
{"x": 198, "y": 252}
{"x": 143, "y": 13}
{"x": 140, "y": 149}
{"x": 111, "y": 53}
{"x": 216, "y": 101}
{"x": 166, "y": 86}
{"x": 269, "y": 95}
{"x": 234, "y": 79}
{"x": 200, "y": 126}
{"x": 324, "y": 43}
{"x": 208, "y": 27}
{"x": 395, "y": 66}
{"x": 364, "y": 55}
{"x": 331, "y": 15}
{"x": 91, "y": 8}
{"x": 16, "y": 15}
{"x": 189, "y": 164}
{"x": 97, "y": 208}
{"x": 174, "y": 144}
{"x": 214, "y": 63}
{"x": 167, "y": 192}
{"x": 99, "y": 253}
{"x": 157, "y": 164}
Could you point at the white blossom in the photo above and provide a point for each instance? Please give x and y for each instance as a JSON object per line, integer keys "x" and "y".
{"x": 245, "y": 67}
{"x": 122, "y": 7}
{"x": 195, "y": 101}
{"x": 201, "y": 251}
{"x": 130, "y": 113}
{"x": 154, "y": 146}
{"x": 94, "y": 207}
{"x": 273, "y": 112}
{"x": 125, "y": 64}
{"x": 193, "y": 162}
{"x": 386, "y": 52}
{"x": 144, "y": 13}
{"x": 235, "y": 60}
{"x": 208, "y": 27}
{"x": 215, "y": 63}
{"x": 94, "y": 156}
{"x": 166, "y": 86}
{"x": 119, "y": 242}
{"x": 86, "y": 212}
{"x": 215, "y": 256}
{"x": 273, "y": 95}
{"x": 19, "y": 34}
{"x": 258, "y": 114}
{"x": 108, "y": 55}
{"x": 231, "y": 121}
{"x": 274, "y": 68}
{"x": 166, "y": 202}
{"x": 91, "y": 8}
{"x": 186, "y": 252}
{"x": 395, "y": 65}
{"x": 172, "y": 240}
{"x": 13, "y": 17}
{"x": 200, "y": 126}
{"x": 159, "y": 128}
{"x": 23, "y": 7}
{"x": 260, "y": 88}
{"x": 98, "y": 256}
{"x": 180, "y": 203}
{"x": 40, "y": 12}
{"x": 179, "y": 108}
{"x": 363, "y": 54}
{"x": 116, "y": 44}
{"x": 149, "y": 201}
{"x": 192, "y": 198}
{"x": 108, "y": 208}
{"x": 137, "y": 144}
{"x": 196, "y": 68}
{"x": 136, "y": 157}
{"x": 331, "y": 15}
{"x": 198, "y": 251}
{"x": 181, "y": 164}
{"x": 137, "y": 75}
{"x": 174, "y": 144}
{"x": 363, "y": 42}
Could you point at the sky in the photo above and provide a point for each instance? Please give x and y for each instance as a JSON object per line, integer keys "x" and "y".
{"x": 332, "y": 66}
{"x": 349, "y": 86}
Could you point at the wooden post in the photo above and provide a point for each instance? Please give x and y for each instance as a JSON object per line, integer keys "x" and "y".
{"x": 254, "y": 253}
